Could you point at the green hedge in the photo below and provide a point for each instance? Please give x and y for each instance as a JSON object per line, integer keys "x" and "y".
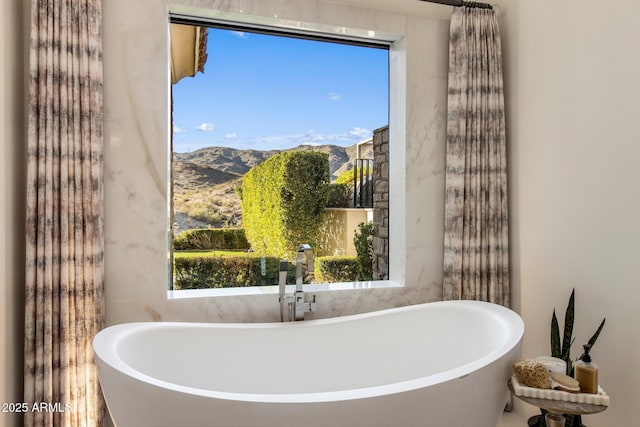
{"x": 201, "y": 272}
{"x": 339, "y": 195}
{"x": 283, "y": 201}
{"x": 211, "y": 238}
{"x": 363, "y": 242}
{"x": 332, "y": 269}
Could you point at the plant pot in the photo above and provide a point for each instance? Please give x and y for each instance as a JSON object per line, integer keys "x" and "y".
{"x": 536, "y": 421}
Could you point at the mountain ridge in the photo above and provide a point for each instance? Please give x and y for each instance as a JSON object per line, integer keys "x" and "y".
{"x": 239, "y": 161}
{"x": 204, "y": 181}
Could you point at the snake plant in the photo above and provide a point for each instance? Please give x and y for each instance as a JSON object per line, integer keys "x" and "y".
{"x": 562, "y": 350}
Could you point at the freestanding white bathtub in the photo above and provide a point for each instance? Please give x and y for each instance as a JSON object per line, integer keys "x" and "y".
{"x": 443, "y": 364}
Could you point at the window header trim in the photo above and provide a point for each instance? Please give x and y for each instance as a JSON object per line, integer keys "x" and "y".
{"x": 282, "y": 31}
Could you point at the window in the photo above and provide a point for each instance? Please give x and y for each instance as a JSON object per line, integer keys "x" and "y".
{"x": 246, "y": 98}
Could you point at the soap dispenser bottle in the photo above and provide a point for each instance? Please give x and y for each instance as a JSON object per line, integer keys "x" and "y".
{"x": 586, "y": 372}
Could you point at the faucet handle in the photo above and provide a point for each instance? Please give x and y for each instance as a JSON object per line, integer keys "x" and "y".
{"x": 312, "y": 303}
{"x": 303, "y": 306}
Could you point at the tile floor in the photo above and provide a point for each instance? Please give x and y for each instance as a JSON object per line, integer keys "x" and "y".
{"x": 519, "y": 416}
{"x": 511, "y": 419}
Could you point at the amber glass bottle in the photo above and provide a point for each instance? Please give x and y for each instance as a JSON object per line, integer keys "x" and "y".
{"x": 586, "y": 372}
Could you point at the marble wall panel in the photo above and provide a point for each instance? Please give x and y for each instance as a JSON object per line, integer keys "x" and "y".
{"x": 137, "y": 130}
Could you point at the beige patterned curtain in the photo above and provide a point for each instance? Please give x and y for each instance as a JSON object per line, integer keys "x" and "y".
{"x": 476, "y": 247}
{"x": 64, "y": 270}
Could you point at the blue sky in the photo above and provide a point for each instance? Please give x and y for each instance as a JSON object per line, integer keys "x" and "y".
{"x": 266, "y": 92}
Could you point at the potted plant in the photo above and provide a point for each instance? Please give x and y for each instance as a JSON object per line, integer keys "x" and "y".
{"x": 562, "y": 350}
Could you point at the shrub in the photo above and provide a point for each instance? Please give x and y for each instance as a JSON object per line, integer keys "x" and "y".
{"x": 211, "y": 238}
{"x": 283, "y": 201}
{"x": 201, "y": 272}
{"x": 363, "y": 242}
{"x": 346, "y": 177}
{"x": 331, "y": 269}
{"x": 339, "y": 196}
{"x": 207, "y": 214}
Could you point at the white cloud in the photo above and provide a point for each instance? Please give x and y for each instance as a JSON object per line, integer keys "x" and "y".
{"x": 231, "y": 136}
{"x": 358, "y": 132}
{"x": 178, "y": 129}
{"x": 206, "y": 127}
{"x": 334, "y": 96}
{"x": 310, "y": 137}
{"x": 239, "y": 34}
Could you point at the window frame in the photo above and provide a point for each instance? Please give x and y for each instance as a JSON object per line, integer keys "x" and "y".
{"x": 395, "y": 44}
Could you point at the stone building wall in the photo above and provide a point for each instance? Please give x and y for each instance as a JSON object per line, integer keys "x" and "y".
{"x": 381, "y": 203}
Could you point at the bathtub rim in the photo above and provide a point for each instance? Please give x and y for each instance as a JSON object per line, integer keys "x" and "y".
{"x": 107, "y": 354}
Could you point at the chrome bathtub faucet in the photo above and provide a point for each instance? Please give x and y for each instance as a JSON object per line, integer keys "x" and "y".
{"x": 296, "y": 302}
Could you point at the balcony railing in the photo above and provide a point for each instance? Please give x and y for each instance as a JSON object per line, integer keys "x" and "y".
{"x": 363, "y": 183}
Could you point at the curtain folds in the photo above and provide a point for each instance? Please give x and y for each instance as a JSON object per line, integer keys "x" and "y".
{"x": 65, "y": 241}
{"x": 476, "y": 248}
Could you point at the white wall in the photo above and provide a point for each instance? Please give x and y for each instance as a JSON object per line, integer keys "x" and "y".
{"x": 573, "y": 98}
{"x": 136, "y": 131}
{"x": 12, "y": 142}
{"x": 340, "y": 227}
{"x": 136, "y": 134}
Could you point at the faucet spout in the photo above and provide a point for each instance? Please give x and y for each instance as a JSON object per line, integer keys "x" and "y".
{"x": 304, "y": 251}
{"x": 296, "y": 302}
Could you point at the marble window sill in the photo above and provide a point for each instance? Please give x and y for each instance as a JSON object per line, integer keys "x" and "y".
{"x": 273, "y": 290}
